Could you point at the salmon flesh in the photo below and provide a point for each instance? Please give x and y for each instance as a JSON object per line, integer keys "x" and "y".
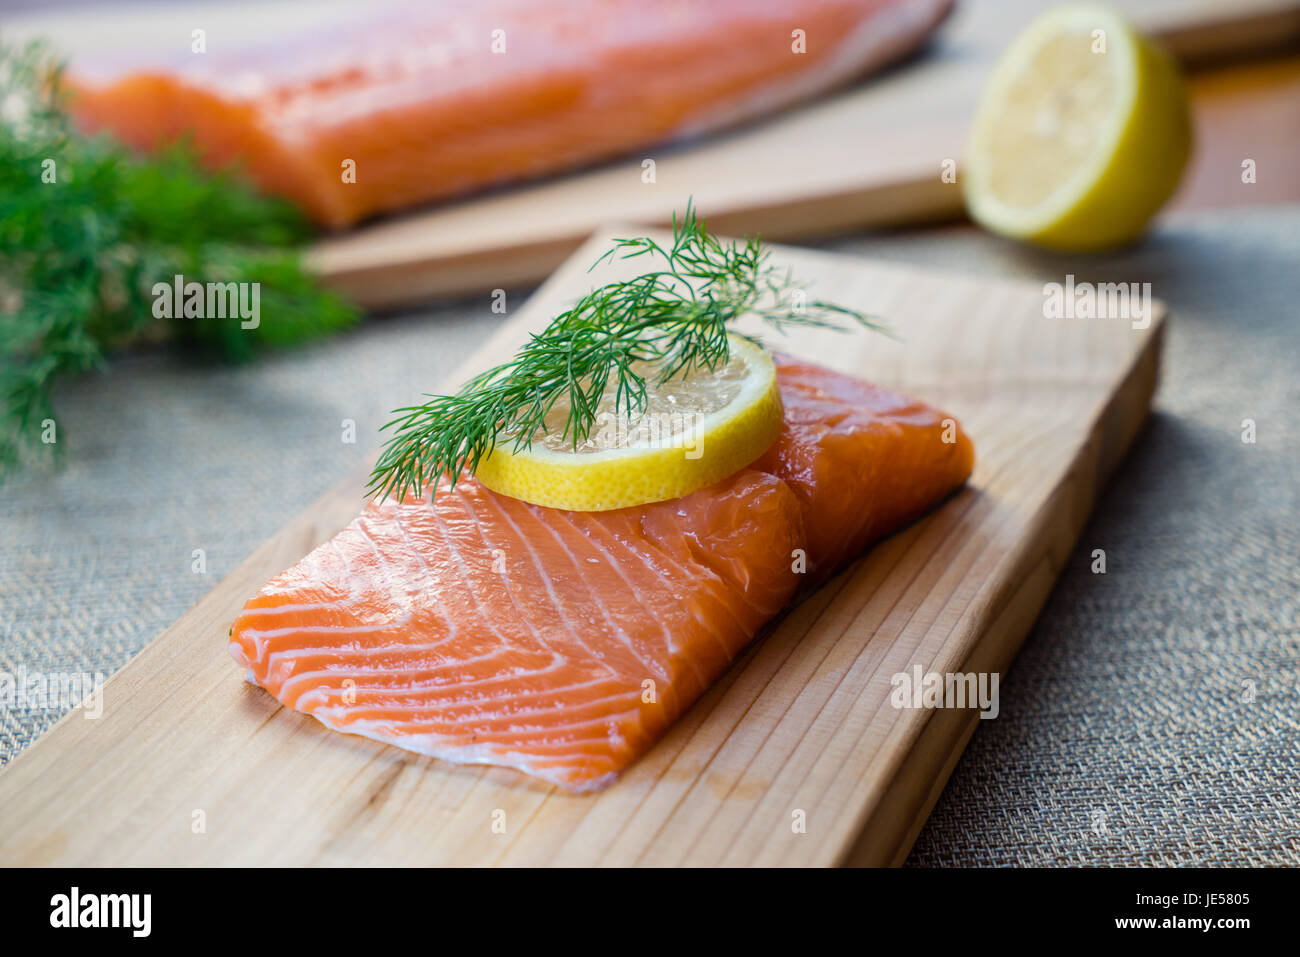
{"x": 404, "y": 104}
{"x": 480, "y": 629}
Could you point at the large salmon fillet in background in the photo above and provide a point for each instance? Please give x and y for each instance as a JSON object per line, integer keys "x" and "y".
{"x": 481, "y": 629}
{"x": 415, "y": 96}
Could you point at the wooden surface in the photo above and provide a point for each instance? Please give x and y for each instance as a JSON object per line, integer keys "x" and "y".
{"x": 1246, "y": 110}
{"x": 800, "y": 722}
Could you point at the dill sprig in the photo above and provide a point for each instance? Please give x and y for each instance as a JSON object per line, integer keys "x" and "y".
{"x": 675, "y": 316}
{"x": 79, "y": 255}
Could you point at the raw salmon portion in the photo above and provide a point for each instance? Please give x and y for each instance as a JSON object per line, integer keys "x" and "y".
{"x": 487, "y": 630}
{"x": 862, "y": 460}
{"x": 429, "y": 100}
{"x": 482, "y": 629}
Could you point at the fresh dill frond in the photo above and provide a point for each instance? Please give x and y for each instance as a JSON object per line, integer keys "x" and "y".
{"x": 87, "y": 229}
{"x": 675, "y": 315}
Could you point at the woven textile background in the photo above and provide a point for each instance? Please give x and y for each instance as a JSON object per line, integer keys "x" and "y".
{"x": 1153, "y": 716}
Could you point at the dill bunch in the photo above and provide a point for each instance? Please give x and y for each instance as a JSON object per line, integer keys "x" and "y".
{"x": 79, "y": 255}
{"x": 675, "y": 315}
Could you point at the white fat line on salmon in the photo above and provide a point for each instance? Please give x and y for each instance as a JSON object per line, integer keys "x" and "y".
{"x": 1107, "y": 300}
{"x": 213, "y": 300}
{"x": 75, "y": 909}
{"x": 25, "y": 690}
{"x": 934, "y": 690}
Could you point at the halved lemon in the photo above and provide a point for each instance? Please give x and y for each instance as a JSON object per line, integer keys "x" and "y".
{"x": 1081, "y": 135}
{"x": 694, "y": 430}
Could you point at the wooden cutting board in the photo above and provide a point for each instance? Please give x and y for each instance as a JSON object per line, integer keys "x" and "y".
{"x": 800, "y": 723}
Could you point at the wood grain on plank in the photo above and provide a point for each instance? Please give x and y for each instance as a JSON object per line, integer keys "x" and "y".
{"x": 801, "y": 723}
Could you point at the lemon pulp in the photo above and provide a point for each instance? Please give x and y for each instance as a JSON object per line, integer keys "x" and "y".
{"x": 692, "y": 431}
{"x": 1081, "y": 134}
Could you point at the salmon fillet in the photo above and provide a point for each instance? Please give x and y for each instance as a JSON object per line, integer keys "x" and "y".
{"x": 481, "y": 629}
{"x": 863, "y": 461}
{"x": 429, "y": 100}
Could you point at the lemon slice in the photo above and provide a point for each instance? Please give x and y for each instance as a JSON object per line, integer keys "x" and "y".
{"x": 1081, "y": 134}
{"x": 695, "y": 430}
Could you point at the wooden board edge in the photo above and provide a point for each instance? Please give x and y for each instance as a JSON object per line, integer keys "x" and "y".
{"x": 421, "y": 276}
{"x": 396, "y": 285}
{"x": 1233, "y": 35}
{"x": 892, "y": 827}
